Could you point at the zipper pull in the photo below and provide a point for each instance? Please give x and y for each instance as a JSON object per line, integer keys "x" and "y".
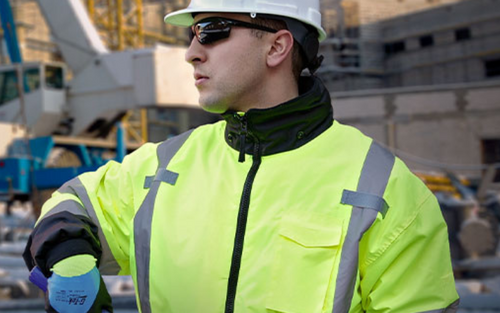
{"x": 243, "y": 138}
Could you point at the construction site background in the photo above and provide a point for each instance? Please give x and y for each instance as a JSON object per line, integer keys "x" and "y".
{"x": 420, "y": 76}
{"x": 379, "y": 55}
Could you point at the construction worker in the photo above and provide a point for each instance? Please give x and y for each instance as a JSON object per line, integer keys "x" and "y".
{"x": 277, "y": 208}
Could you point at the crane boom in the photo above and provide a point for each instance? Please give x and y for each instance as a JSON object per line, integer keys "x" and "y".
{"x": 9, "y": 30}
{"x": 104, "y": 84}
{"x": 73, "y": 31}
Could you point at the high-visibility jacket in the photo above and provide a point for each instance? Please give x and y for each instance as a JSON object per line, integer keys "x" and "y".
{"x": 275, "y": 210}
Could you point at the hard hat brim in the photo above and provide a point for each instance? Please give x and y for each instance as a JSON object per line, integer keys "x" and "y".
{"x": 184, "y": 18}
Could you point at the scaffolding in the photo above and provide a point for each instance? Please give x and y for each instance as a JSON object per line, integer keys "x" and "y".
{"x": 121, "y": 26}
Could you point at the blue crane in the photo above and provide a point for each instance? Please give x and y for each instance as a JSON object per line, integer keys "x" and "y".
{"x": 9, "y": 31}
{"x": 24, "y": 168}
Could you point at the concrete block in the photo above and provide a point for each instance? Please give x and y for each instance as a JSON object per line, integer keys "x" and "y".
{"x": 439, "y": 74}
{"x": 438, "y": 140}
{"x": 455, "y": 72}
{"x": 475, "y": 70}
{"x": 361, "y": 107}
{"x": 485, "y": 28}
{"x": 485, "y": 126}
{"x": 484, "y": 99}
{"x": 444, "y": 37}
{"x": 425, "y": 103}
{"x": 412, "y": 44}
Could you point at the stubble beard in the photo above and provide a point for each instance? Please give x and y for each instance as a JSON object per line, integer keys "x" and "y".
{"x": 231, "y": 95}
{"x": 220, "y": 99}
{"x": 212, "y": 103}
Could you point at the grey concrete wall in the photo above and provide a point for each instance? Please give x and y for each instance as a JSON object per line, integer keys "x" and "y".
{"x": 374, "y": 30}
{"x": 427, "y": 124}
{"x": 446, "y": 61}
{"x": 439, "y": 18}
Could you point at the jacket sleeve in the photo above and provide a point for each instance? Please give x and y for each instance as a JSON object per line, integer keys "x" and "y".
{"x": 406, "y": 264}
{"x": 92, "y": 214}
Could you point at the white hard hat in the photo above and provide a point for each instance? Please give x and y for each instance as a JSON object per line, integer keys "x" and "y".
{"x": 305, "y": 11}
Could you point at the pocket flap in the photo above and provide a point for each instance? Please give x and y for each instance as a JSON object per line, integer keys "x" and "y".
{"x": 310, "y": 234}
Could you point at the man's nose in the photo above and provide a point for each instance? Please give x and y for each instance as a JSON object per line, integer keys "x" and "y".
{"x": 195, "y": 52}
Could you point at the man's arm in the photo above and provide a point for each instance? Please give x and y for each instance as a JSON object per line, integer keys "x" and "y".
{"x": 91, "y": 215}
{"x": 406, "y": 264}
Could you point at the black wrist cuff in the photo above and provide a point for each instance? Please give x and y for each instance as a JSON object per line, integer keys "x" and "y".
{"x": 66, "y": 249}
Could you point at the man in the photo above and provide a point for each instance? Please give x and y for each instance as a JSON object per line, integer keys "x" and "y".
{"x": 278, "y": 208}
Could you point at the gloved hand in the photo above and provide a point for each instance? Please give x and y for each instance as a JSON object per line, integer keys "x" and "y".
{"x": 77, "y": 287}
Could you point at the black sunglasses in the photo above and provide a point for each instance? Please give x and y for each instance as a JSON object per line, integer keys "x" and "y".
{"x": 211, "y": 29}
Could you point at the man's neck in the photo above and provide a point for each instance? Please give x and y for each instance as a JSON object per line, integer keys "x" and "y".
{"x": 275, "y": 92}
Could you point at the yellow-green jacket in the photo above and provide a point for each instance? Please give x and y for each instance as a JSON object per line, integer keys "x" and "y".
{"x": 277, "y": 210}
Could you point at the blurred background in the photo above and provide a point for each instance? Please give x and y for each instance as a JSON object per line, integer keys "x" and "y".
{"x": 86, "y": 81}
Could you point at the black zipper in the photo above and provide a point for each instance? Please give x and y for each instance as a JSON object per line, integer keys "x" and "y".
{"x": 243, "y": 137}
{"x": 240, "y": 230}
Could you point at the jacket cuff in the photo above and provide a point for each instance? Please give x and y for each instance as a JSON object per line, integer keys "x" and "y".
{"x": 65, "y": 250}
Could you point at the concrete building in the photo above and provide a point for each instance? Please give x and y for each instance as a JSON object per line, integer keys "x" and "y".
{"x": 440, "y": 128}
{"x": 398, "y": 43}
{"x": 422, "y": 77}
{"x": 451, "y": 44}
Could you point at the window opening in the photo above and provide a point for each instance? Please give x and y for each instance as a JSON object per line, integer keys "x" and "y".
{"x": 492, "y": 67}
{"x": 54, "y": 77}
{"x": 394, "y": 47}
{"x": 491, "y": 154}
{"x": 32, "y": 79}
{"x": 462, "y": 34}
{"x": 8, "y": 86}
{"x": 426, "y": 41}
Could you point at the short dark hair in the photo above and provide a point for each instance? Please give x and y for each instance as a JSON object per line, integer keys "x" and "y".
{"x": 297, "y": 57}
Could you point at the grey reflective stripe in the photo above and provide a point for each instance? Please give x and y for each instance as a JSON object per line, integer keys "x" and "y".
{"x": 452, "y": 308}
{"x": 144, "y": 217}
{"x": 373, "y": 180}
{"x": 147, "y": 181}
{"x": 162, "y": 175}
{"x": 67, "y": 188}
{"x": 107, "y": 263}
{"x": 70, "y": 206}
{"x": 365, "y": 200}
{"x": 166, "y": 176}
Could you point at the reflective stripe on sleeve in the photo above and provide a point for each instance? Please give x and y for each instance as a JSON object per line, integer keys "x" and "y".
{"x": 107, "y": 264}
{"x": 70, "y": 206}
{"x": 144, "y": 216}
{"x": 365, "y": 200}
{"x": 166, "y": 176}
{"x": 148, "y": 180}
{"x": 163, "y": 175}
{"x": 373, "y": 181}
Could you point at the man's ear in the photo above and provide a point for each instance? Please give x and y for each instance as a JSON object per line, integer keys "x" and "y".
{"x": 281, "y": 47}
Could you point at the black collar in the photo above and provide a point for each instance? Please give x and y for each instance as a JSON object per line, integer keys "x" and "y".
{"x": 285, "y": 127}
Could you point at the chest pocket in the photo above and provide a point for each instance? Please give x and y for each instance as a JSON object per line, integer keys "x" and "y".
{"x": 304, "y": 262}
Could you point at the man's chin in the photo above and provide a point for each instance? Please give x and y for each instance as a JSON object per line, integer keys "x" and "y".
{"x": 212, "y": 107}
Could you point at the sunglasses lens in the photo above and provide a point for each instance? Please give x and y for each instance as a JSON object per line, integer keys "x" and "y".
{"x": 209, "y": 31}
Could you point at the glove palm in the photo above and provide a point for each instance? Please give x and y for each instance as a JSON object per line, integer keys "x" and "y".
{"x": 76, "y": 286}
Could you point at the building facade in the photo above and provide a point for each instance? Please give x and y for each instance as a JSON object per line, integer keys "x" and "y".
{"x": 422, "y": 77}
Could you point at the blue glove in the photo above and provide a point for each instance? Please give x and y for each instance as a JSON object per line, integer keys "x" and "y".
{"x": 74, "y": 294}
